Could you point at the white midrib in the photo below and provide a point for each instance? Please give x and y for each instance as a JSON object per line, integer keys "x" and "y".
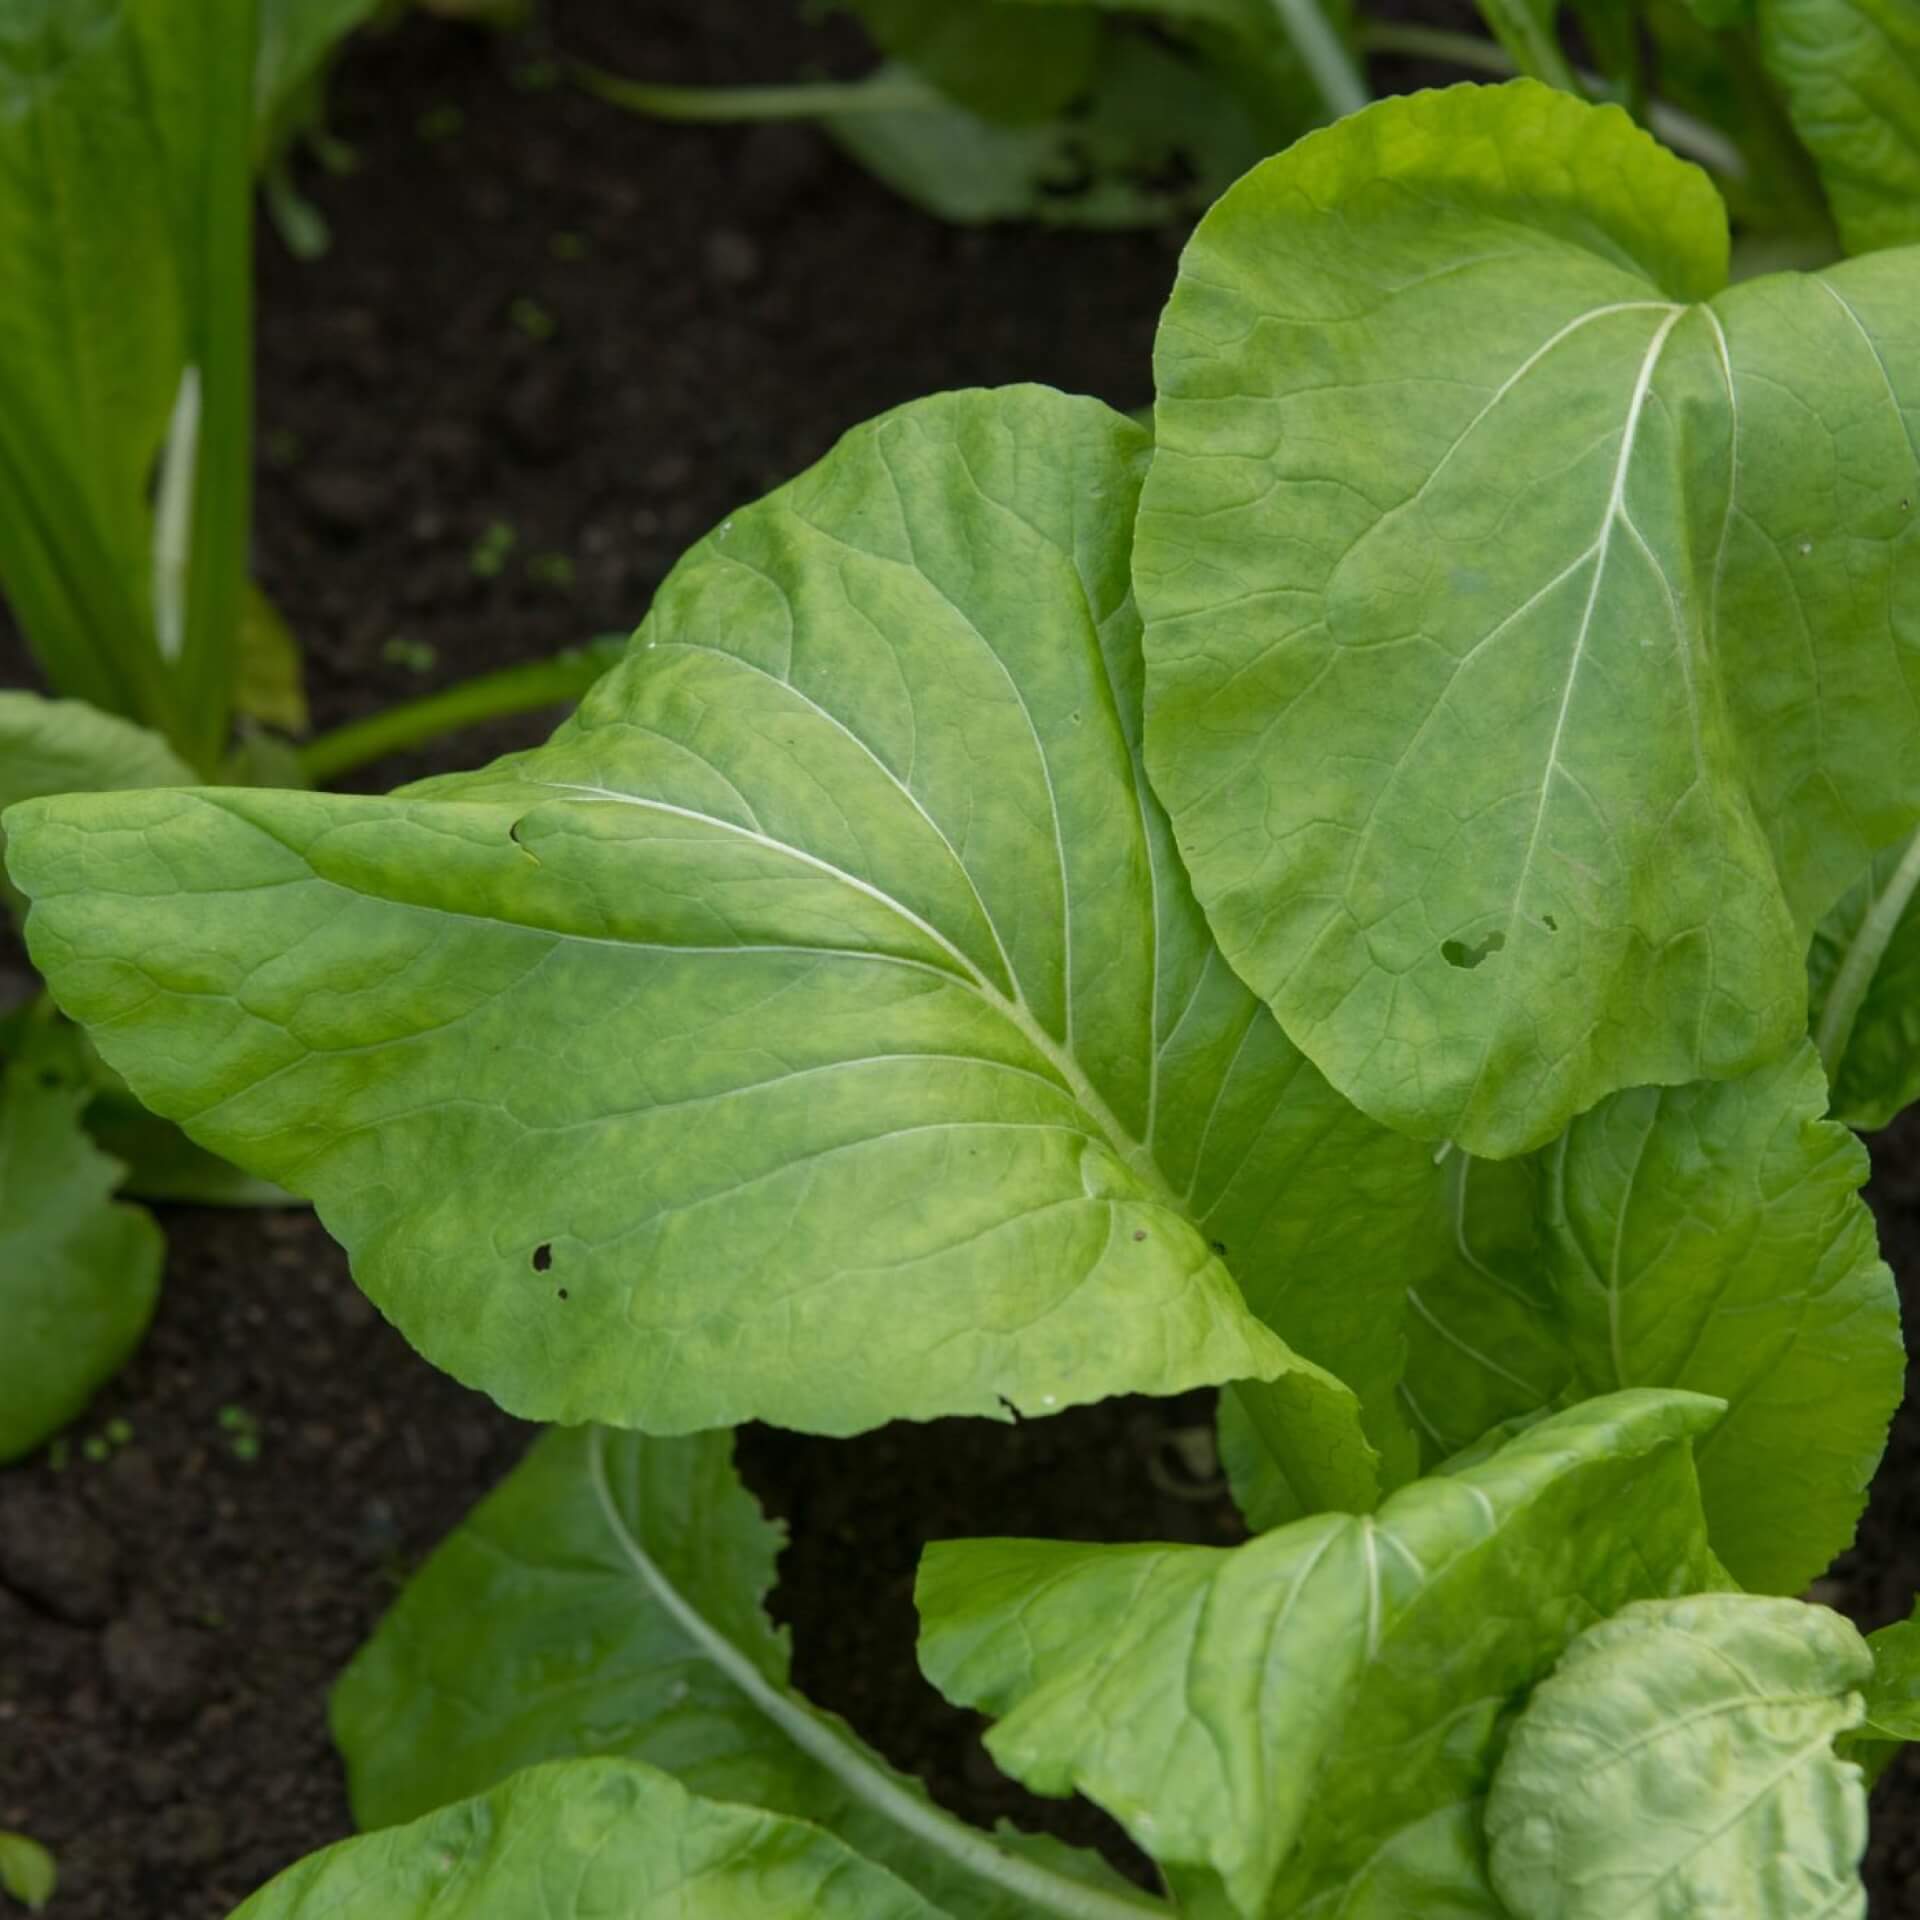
{"x": 1134, "y": 1153}
{"x": 815, "y": 1737}
{"x": 1864, "y": 953}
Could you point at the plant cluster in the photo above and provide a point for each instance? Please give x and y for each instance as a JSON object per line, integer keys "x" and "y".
{"x": 1315, "y": 899}
{"x": 1126, "y": 112}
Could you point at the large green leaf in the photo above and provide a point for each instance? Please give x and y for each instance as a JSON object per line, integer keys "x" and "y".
{"x": 1863, "y": 989}
{"x": 79, "y": 1273}
{"x": 1850, "y": 70}
{"x": 1531, "y": 630}
{"x": 1680, "y": 1761}
{"x": 123, "y": 207}
{"x": 607, "y": 1600}
{"x": 1708, "y": 1237}
{"x": 588, "y": 1840}
{"x": 820, "y": 1028}
{"x": 1306, "y": 1725}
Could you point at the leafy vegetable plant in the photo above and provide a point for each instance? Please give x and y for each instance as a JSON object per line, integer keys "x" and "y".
{"x": 1315, "y": 901}
{"x": 1116, "y": 112}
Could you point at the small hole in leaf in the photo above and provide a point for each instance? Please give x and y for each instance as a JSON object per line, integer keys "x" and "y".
{"x": 563, "y": 1293}
{"x": 542, "y": 1257}
{"x": 1550, "y": 923}
{"x": 1139, "y": 1233}
{"x": 1219, "y": 1247}
{"x": 1456, "y": 953}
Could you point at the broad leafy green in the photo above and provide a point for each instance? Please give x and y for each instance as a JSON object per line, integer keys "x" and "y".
{"x": 1680, "y": 1761}
{"x": 1850, "y": 71}
{"x": 79, "y": 1272}
{"x": 588, "y": 1840}
{"x": 1531, "y": 628}
{"x": 1306, "y": 1725}
{"x": 820, "y": 1028}
{"x": 607, "y": 1601}
{"x": 1863, "y": 979}
{"x": 1708, "y": 1237}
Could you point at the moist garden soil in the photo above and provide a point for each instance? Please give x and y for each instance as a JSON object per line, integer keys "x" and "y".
{"x": 551, "y": 345}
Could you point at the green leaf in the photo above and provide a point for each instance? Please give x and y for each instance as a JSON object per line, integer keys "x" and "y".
{"x": 588, "y": 1840}
{"x": 79, "y": 1274}
{"x": 1515, "y": 745}
{"x": 1008, "y": 63}
{"x": 129, "y": 117}
{"x": 1863, "y": 990}
{"x": 819, "y": 1029}
{"x": 1680, "y": 1761}
{"x": 1850, "y": 70}
{"x": 66, "y": 746}
{"x": 1157, "y": 141}
{"x": 272, "y": 683}
{"x": 1893, "y": 1697}
{"x": 606, "y": 1600}
{"x": 1305, "y": 1725}
{"x": 27, "y": 1870}
{"x": 298, "y": 39}
{"x": 1710, "y": 1238}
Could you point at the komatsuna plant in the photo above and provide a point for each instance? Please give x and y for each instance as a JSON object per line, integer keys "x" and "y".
{"x": 834, "y": 1022}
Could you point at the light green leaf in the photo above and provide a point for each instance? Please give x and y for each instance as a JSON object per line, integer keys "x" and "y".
{"x": 1157, "y": 140}
{"x": 588, "y": 1840}
{"x": 1305, "y": 1725}
{"x": 818, "y": 1029}
{"x": 1708, "y": 1237}
{"x": 1514, "y": 744}
{"x": 607, "y": 1600}
{"x": 1681, "y": 1762}
{"x": 1850, "y": 70}
{"x": 79, "y": 1274}
{"x": 1863, "y": 989}
{"x": 66, "y": 746}
{"x": 27, "y": 1870}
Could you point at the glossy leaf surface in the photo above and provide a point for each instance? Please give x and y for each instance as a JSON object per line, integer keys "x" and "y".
{"x": 1680, "y": 1761}
{"x": 820, "y": 1028}
{"x": 607, "y": 1600}
{"x": 1533, "y": 630}
{"x": 1305, "y": 1725}
{"x": 588, "y": 1840}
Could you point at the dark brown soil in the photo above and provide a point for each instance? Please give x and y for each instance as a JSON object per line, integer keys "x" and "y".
{"x": 600, "y": 335}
